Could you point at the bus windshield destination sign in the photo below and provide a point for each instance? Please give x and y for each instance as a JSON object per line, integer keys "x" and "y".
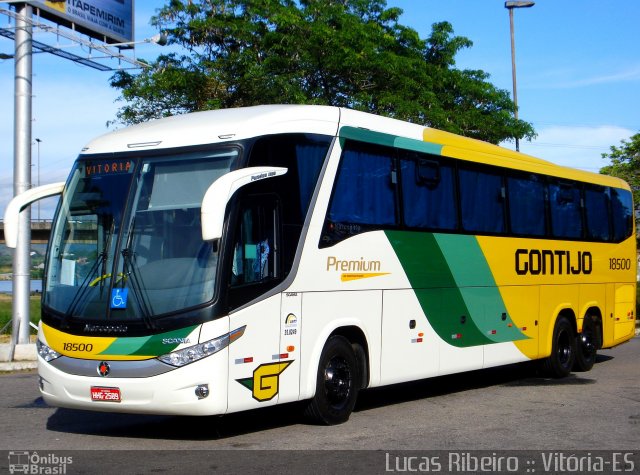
{"x": 107, "y": 167}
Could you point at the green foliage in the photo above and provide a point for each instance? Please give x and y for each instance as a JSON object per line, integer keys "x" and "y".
{"x": 6, "y": 311}
{"x": 173, "y": 86}
{"x": 37, "y": 261}
{"x": 348, "y": 53}
{"x": 625, "y": 164}
{"x": 6, "y": 263}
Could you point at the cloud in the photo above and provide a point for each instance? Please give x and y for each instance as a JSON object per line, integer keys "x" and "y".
{"x": 568, "y": 78}
{"x": 629, "y": 75}
{"x": 575, "y": 147}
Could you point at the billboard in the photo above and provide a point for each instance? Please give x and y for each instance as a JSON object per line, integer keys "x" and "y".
{"x": 110, "y": 19}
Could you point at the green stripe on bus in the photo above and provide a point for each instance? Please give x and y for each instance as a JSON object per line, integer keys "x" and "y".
{"x": 428, "y": 272}
{"x": 455, "y": 287}
{"x": 473, "y": 277}
{"x": 388, "y": 140}
{"x": 125, "y": 345}
{"x": 149, "y": 345}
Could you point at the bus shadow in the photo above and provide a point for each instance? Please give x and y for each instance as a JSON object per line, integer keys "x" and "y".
{"x": 520, "y": 375}
{"x": 233, "y": 425}
{"x": 174, "y": 427}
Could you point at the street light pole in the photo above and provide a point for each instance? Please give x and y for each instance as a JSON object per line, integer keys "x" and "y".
{"x": 510, "y": 6}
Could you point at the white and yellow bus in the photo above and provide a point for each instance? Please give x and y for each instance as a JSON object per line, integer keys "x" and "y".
{"x": 227, "y": 260}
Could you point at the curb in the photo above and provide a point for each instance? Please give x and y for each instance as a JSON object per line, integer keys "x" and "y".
{"x": 25, "y": 357}
{"x": 23, "y": 352}
{"x": 18, "y": 366}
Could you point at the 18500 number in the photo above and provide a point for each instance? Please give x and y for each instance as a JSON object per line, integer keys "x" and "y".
{"x": 77, "y": 346}
{"x": 619, "y": 264}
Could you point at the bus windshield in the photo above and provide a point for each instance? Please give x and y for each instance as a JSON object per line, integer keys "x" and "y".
{"x": 126, "y": 243}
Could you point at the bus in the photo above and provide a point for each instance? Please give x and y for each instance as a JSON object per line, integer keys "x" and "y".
{"x": 226, "y": 260}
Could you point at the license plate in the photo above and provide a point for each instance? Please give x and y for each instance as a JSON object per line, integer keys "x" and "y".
{"x": 105, "y": 394}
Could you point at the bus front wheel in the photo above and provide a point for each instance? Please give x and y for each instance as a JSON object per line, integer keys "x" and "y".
{"x": 336, "y": 383}
{"x": 563, "y": 349}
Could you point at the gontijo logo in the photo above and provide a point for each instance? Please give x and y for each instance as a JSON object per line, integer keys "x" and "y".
{"x": 551, "y": 262}
{"x": 354, "y": 269}
{"x": 264, "y": 384}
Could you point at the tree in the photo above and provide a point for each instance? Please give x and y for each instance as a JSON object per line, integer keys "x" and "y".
{"x": 625, "y": 164}
{"x": 347, "y": 53}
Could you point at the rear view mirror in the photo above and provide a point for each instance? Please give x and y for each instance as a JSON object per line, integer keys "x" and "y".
{"x": 18, "y": 203}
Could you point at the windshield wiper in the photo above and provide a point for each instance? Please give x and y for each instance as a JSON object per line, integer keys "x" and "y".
{"x": 130, "y": 270}
{"x": 84, "y": 286}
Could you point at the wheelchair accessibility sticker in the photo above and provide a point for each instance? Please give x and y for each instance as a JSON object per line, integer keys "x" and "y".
{"x": 119, "y": 298}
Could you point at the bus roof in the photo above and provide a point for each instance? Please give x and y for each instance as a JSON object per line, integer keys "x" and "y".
{"x": 224, "y": 125}
{"x": 456, "y": 146}
{"x": 218, "y": 126}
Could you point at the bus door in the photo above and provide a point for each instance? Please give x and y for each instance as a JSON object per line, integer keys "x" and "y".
{"x": 254, "y": 360}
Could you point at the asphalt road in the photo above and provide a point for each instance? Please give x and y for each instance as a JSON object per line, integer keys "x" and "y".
{"x": 495, "y": 410}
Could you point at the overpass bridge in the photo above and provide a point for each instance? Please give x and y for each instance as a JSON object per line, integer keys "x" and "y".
{"x": 40, "y": 231}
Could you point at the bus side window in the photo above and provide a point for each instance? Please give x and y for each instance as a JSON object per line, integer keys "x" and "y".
{"x": 526, "y": 196}
{"x": 482, "y": 201}
{"x": 566, "y": 215}
{"x": 364, "y": 193}
{"x": 622, "y": 213}
{"x": 429, "y": 193}
{"x": 596, "y": 205}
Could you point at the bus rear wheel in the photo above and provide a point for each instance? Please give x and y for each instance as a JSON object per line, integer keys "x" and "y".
{"x": 563, "y": 350}
{"x": 587, "y": 345}
{"x": 336, "y": 383}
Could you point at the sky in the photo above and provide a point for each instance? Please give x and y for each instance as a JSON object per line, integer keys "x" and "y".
{"x": 578, "y": 80}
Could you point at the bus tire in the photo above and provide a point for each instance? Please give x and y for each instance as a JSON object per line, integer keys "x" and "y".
{"x": 337, "y": 383}
{"x": 587, "y": 345}
{"x": 563, "y": 350}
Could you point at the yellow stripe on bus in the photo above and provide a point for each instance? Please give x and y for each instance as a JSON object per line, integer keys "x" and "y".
{"x": 360, "y": 275}
{"x": 78, "y": 346}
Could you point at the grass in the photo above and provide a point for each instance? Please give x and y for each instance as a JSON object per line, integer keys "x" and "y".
{"x": 5, "y": 311}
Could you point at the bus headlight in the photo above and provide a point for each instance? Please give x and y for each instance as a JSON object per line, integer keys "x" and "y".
{"x": 197, "y": 352}
{"x": 45, "y": 352}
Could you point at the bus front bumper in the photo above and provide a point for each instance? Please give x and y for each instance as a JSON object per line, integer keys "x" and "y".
{"x": 199, "y": 388}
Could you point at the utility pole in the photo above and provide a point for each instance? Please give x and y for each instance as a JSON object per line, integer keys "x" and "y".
{"x": 22, "y": 172}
